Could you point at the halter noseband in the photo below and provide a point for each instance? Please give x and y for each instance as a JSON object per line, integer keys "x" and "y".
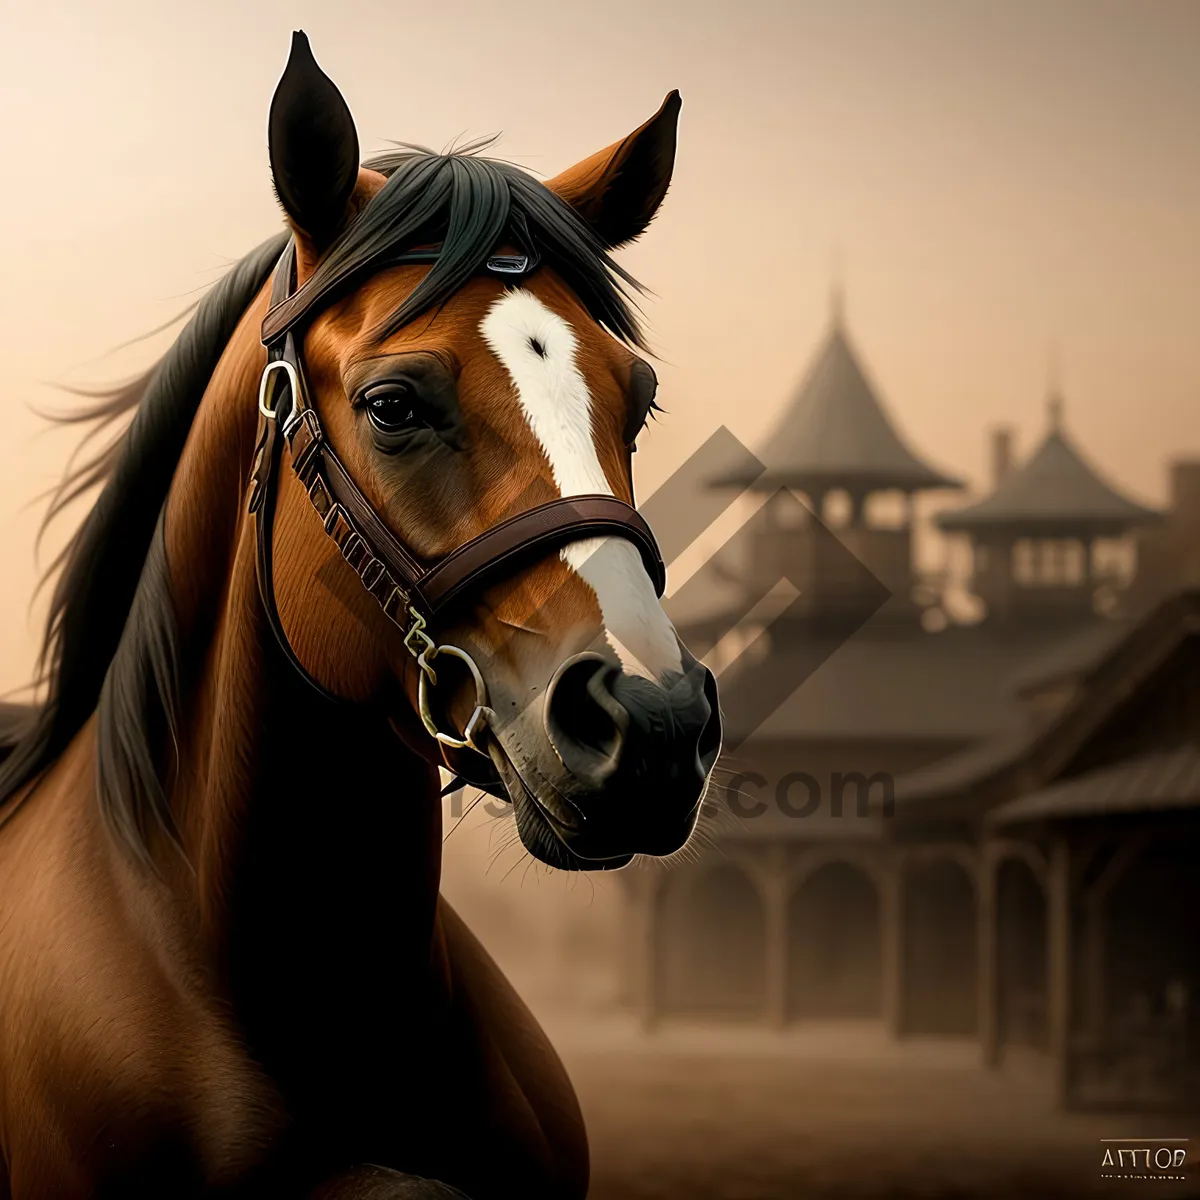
{"x": 411, "y": 595}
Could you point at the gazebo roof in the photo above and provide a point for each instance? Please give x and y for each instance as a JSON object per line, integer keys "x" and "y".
{"x": 1156, "y": 781}
{"x": 1057, "y": 491}
{"x": 836, "y": 434}
{"x": 1033, "y": 758}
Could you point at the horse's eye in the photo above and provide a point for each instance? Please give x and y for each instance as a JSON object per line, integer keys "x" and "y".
{"x": 392, "y": 407}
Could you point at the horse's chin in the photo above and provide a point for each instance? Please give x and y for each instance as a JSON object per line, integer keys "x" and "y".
{"x": 536, "y": 826}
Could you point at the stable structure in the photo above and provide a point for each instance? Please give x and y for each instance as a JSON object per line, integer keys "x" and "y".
{"x": 1168, "y": 550}
{"x": 836, "y": 446}
{"x": 856, "y": 860}
{"x": 1037, "y": 538}
{"x": 1086, "y": 836}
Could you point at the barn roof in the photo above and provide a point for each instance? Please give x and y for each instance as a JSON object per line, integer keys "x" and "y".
{"x": 1057, "y": 491}
{"x": 881, "y": 683}
{"x": 1153, "y": 782}
{"x": 1009, "y": 760}
{"x": 835, "y": 433}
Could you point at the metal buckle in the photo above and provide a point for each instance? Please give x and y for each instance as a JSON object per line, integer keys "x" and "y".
{"x": 508, "y": 264}
{"x": 278, "y": 364}
{"x": 416, "y": 632}
{"x": 426, "y": 650}
{"x": 478, "y": 719}
{"x": 515, "y": 266}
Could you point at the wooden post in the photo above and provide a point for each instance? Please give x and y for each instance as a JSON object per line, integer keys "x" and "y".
{"x": 775, "y": 900}
{"x": 987, "y": 918}
{"x": 892, "y": 943}
{"x": 1059, "y": 965}
{"x": 1095, "y": 914}
{"x": 1093, "y": 963}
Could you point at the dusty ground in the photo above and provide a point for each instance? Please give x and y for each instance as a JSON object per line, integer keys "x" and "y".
{"x": 831, "y": 1113}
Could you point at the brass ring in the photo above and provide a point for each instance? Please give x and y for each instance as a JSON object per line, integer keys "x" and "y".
{"x": 478, "y": 718}
{"x": 278, "y": 364}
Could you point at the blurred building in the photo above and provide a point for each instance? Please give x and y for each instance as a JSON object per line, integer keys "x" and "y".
{"x": 984, "y": 827}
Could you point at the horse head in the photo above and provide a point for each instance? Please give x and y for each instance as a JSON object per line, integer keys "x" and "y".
{"x": 469, "y": 352}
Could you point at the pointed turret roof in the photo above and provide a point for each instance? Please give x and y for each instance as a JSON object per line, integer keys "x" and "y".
{"x": 1056, "y": 492}
{"x": 836, "y": 434}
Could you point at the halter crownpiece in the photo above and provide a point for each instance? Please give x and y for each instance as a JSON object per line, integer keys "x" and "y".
{"x": 290, "y": 307}
{"x": 410, "y": 594}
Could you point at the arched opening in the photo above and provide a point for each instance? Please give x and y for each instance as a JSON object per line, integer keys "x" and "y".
{"x": 834, "y": 945}
{"x": 1049, "y": 562}
{"x": 1021, "y": 955}
{"x": 1024, "y": 562}
{"x": 713, "y": 940}
{"x": 1151, "y": 956}
{"x": 1141, "y": 981}
{"x": 888, "y": 510}
{"x": 939, "y": 949}
{"x": 1074, "y": 563}
{"x": 789, "y": 513}
{"x": 839, "y": 509}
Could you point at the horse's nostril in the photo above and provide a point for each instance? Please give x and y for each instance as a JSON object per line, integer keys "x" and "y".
{"x": 585, "y": 722}
{"x": 637, "y": 753}
{"x": 709, "y": 745}
{"x": 600, "y": 720}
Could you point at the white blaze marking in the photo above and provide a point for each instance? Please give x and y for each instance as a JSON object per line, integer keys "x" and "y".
{"x": 556, "y": 402}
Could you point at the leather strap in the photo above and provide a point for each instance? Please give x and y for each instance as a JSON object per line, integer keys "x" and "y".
{"x": 263, "y": 491}
{"x": 262, "y": 504}
{"x": 534, "y": 533}
{"x": 404, "y": 588}
{"x": 398, "y": 582}
{"x": 287, "y": 311}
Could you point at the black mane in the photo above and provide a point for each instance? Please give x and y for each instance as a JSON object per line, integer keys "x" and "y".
{"x": 111, "y": 644}
{"x": 103, "y": 564}
{"x": 469, "y": 204}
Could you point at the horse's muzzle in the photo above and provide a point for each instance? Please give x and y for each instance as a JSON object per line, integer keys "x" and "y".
{"x": 637, "y": 754}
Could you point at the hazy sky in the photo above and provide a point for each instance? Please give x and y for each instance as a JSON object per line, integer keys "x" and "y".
{"x": 992, "y": 176}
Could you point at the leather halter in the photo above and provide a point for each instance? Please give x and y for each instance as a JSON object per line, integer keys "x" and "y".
{"x": 411, "y": 594}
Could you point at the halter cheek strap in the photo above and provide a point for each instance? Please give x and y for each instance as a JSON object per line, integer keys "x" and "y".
{"x": 411, "y": 594}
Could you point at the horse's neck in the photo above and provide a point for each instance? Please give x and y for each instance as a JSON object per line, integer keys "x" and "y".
{"x": 314, "y": 834}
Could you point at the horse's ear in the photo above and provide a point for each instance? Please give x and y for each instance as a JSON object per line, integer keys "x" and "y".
{"x": 314, "y": 147}
{"x": 618, "y": 190}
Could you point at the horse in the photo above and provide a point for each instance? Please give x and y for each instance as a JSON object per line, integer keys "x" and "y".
{"x": 370, "y": 515}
